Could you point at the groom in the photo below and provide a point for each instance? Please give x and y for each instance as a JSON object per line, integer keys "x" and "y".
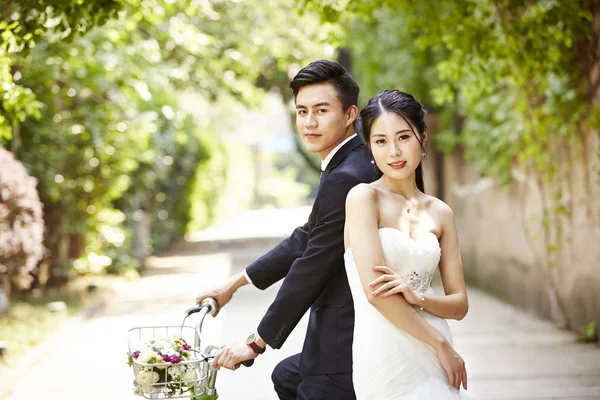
{"x": 311, "y": 260}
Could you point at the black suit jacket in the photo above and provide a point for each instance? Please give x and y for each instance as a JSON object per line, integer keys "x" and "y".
{"x": 312, "y": 262}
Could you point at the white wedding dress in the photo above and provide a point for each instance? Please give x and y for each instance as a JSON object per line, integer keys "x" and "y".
{"x": 389, "y": 363}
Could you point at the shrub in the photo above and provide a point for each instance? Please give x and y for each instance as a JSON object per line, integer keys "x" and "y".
{"x": 21, "y": 225}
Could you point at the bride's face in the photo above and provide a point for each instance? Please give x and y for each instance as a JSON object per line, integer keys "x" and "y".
{"x": 395, "y": 148}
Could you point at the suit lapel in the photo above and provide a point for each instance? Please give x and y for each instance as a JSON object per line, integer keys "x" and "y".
{"x": 342, "y": 153}
{"x": 323, "y": 175}
{"x": 339, "y": 156}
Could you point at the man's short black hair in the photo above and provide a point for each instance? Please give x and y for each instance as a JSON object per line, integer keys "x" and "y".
{"x": 326, "y": 71}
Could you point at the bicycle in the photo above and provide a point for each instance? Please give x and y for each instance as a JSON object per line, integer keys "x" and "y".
{"x": 193, "y": 376}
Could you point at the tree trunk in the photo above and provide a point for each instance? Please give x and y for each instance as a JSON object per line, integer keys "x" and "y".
{"x": 4, "y": 293}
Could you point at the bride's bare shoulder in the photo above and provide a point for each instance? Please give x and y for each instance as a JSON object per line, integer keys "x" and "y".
{"x": 362, "y": 192}
{"x": 440, "y": 209}
{"x": 362, "y": 200}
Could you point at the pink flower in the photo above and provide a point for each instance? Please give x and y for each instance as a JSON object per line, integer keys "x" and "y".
{"x": 135, "y": 354}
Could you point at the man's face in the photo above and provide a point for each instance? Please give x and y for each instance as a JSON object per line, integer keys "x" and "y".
{"x": 320, "y": 118}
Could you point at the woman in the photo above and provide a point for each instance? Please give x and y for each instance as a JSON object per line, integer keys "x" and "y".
{"x": 402, "y": 347}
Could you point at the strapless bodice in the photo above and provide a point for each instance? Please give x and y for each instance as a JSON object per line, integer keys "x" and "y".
{"x": 415, "y": 260}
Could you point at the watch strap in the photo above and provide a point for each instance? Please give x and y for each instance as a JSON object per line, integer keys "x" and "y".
{"x": 256, "y": 348}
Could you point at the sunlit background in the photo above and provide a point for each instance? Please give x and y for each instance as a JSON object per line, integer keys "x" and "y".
{"x": 139, "y": 137}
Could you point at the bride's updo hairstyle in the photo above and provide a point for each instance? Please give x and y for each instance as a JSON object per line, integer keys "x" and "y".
{"x": 404, "y": 105}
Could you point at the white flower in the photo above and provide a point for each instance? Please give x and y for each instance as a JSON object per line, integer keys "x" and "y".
{"x": 146, "y": 378}
{"x": 146, "y": 355}
{"x": 189, "y": 375}
{"x": 176, "y": 370}
{"x": 169, "y": 352}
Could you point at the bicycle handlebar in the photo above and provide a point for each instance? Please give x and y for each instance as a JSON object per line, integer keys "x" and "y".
{"x": 209, "y": 303}
{"x": 248, "y": 363}
{"x": 212, "y": 306}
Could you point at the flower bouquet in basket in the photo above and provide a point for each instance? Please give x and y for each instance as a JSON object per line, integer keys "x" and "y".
{"x": 167, "y": 368}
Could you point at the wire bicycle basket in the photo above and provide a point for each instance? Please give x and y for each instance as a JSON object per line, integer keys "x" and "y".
{"x": 168, "y": 362}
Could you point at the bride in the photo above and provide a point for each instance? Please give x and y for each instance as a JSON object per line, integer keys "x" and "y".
{"x": 395, "y": 237}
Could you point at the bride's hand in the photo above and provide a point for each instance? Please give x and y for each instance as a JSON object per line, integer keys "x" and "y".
{"x": 453, "y": 365}
{"x": 394, "y": 284}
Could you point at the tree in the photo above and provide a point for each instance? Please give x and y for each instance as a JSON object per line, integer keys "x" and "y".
{"x": 22, "y": 25}
{"x": 115, "y": 137}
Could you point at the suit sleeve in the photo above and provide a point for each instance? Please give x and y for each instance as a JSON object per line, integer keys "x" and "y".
{"x": 275, "y": 265}
{"x": 310, "y": 274}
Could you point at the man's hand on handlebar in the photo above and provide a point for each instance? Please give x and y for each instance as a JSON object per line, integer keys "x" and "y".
{"x": 224, "y": 292}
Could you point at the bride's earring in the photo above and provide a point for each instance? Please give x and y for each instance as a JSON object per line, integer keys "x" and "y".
{"x": 423, "y": 154}
{"x": 374, "y": 165}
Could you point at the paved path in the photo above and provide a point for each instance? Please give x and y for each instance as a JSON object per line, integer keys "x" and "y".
{"x": 510, "y": 354}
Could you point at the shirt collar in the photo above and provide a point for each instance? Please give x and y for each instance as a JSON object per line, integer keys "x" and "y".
{"x": 327, "y": 159}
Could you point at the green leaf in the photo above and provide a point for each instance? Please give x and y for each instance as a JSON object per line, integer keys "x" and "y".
{"x": 589, "y": 333}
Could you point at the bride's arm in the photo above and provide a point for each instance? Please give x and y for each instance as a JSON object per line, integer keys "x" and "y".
{"x": 454, "y": 304}
{"x": 362, "y": 224}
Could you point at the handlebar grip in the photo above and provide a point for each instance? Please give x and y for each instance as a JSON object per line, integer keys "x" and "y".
{"x": 248, "y": 363}
{"x": 208, "y": 302}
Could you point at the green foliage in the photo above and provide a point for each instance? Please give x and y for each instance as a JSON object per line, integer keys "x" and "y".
{"x": 22, "y": 25}
{"x": 98, "y": 135}
{"x": 25, "y": 22}
{"x": 210, "y": 179}
{"x": 589, "y": 333}
{"x": 514, "y": 69}
{"x": 385, "y": 56}
{"x": 126, "y": 122}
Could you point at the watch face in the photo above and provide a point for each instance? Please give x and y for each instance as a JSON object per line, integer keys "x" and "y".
{"x": 250, "y": 338}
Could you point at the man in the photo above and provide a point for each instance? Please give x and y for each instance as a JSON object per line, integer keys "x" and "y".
{"x": 311, "y": 259}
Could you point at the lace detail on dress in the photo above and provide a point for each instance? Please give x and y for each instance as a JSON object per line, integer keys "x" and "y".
{"x": 418, "y": 282}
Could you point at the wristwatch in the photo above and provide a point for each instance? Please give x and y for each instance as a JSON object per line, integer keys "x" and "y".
{"x": 252, "y": 344}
